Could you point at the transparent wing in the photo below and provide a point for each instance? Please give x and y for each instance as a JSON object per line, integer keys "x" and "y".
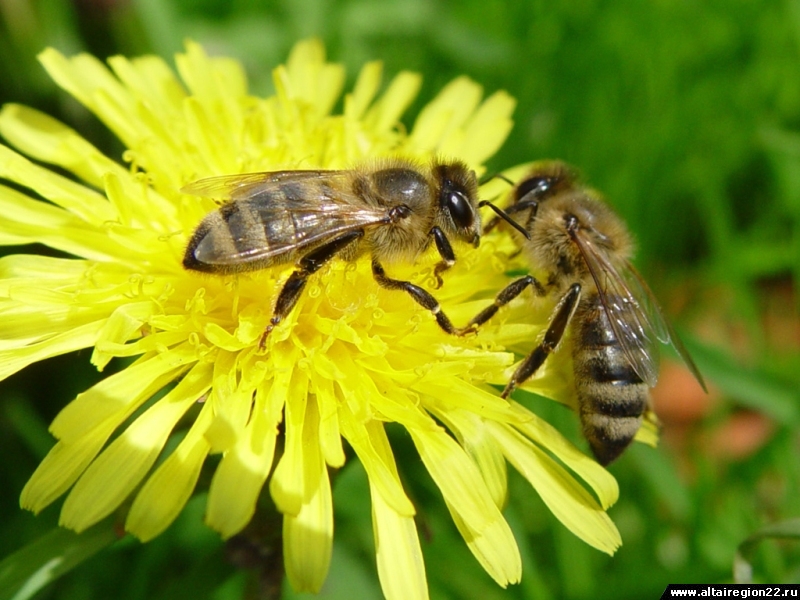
{"x": 633, "y": 312}
{"x": 271, "y": 215}
{"x": 635, "y": 328}
{"x": 289, "y": 232}
{"x": 663, "y": 328}
{"x": 245, "y": 185}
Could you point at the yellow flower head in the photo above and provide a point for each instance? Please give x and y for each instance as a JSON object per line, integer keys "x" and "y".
{"x": 348, "y": 359}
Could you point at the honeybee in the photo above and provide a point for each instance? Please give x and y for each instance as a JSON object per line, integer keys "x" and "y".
{"x": 615, "y": 320}
{"x": 391, "y": 210}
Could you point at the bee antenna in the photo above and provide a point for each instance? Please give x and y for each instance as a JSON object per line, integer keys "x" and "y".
{"x": 498, "y": 176}
{"x": 504, "y": 215}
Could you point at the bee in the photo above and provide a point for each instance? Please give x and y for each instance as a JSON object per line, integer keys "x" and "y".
{"x": 392, "y": 210}
{"x": 615, "y": 321}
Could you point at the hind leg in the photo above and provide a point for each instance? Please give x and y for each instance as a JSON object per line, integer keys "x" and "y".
{"x": 506, "y": 295}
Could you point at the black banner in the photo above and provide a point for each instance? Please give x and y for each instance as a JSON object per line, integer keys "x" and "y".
{"x": 731, "y": 590}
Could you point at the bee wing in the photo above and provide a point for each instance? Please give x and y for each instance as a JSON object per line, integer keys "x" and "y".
{"x": 633, "y": 312}
{"x": 244, "y": 185}
{"x": 316, "y": 211}
{"x": 627, "y": 309}
{"x": 663, "y": 328}
{"x": 311, "y": 226}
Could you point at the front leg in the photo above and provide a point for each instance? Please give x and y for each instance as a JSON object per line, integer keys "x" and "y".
{"x": 445, "y": 251}
{"x": 558, "y": 325}
{"x": 506, "y": 295}
{"x": 307, "y": 265}
{"x": 421, "y": 297}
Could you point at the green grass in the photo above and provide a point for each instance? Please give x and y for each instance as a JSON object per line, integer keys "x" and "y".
{"x": 686, "y": 116}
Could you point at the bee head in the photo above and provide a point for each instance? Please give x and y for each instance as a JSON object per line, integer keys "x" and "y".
{"x": 543, "y": 181}
{"x": 458, "y": 190}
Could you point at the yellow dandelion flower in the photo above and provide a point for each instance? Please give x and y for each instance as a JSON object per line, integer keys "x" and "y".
{"x": 350, "y": 358}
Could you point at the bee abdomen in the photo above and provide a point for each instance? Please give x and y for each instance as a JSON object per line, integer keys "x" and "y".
{"x": 237, "y": 237}
{"x": 611, "y": 397}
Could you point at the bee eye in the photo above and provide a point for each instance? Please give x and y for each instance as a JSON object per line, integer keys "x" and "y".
{"x": 460, "y": 209}
{"x": 537, "y": 186}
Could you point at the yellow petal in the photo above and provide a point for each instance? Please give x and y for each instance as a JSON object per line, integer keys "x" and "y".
{"x": 367, "y": 84}
{"x": 93, "y": 85}
{"x": 546, "y": 436}
{"x": 372, "y": 448}
{"x": 26, "y": 221}
{"x": 475, "y": 437}
{"x": 401, "y": 568}
{"x": 465, "y": 395}
{"x": 231, "y": 404}
{"x": 494, "y": 547}
{"x": 110, "y": 478}
{"x": 565, "y": 497}
{"x": 457, "y": 477}
{"x": 151, "y": 81}
{"x": 16, "y": 267}
{"x": 308, "y": 536}
{"x": 313, "y": 80}
{"x": 329, "y": 434}
{"x": 209, "y": 139}
{"x": 48, "y": 140}
{"x": 61, "y": 468}
{"x": 241, "y": 474}
{"x": 386, "y": 112}
{"x": 438, "y": 126}
{"x": 287, "y": 489}
{"x": 648, "y": 432}
{"x": 137, "y": 205}
{"x": 82, "y": 336}
{"x": 487, "y": 129}
{"x": 166, "y": 492}
{"x": 119, "y": 395}
{"x": 152, "y": 342}
{"x": 121, "y": 326}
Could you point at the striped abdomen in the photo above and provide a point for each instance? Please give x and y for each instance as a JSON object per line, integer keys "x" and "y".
{"x": 611, "y": 397}
{"x": 266, "y": 229}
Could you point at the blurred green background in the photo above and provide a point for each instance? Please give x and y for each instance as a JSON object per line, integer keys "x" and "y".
{"x": 685, "y": 114}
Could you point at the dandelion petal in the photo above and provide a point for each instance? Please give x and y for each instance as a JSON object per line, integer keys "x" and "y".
{"x": 166, "y": 491}
{"x": 241, "y": 474}
{"x": 121, "y": 466}
{"x": 564, "y": 496}
{"x": 60, "y": 469}
{"x": 308, "y": 536}
{"x": 400, "y": 565}
{"x": 494, "y": 547}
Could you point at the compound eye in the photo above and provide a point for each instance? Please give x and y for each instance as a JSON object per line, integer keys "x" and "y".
{"x": 537, "y": 186}
{"x": 460, "y": 209}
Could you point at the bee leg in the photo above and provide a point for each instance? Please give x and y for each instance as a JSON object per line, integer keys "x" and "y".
{"x": 558, "y": 325}
{"x": 506, "y": 295}
{"x": 307, "y": 265}
{"x": 420, "y": 296}
{"x": 445, "y": 251}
